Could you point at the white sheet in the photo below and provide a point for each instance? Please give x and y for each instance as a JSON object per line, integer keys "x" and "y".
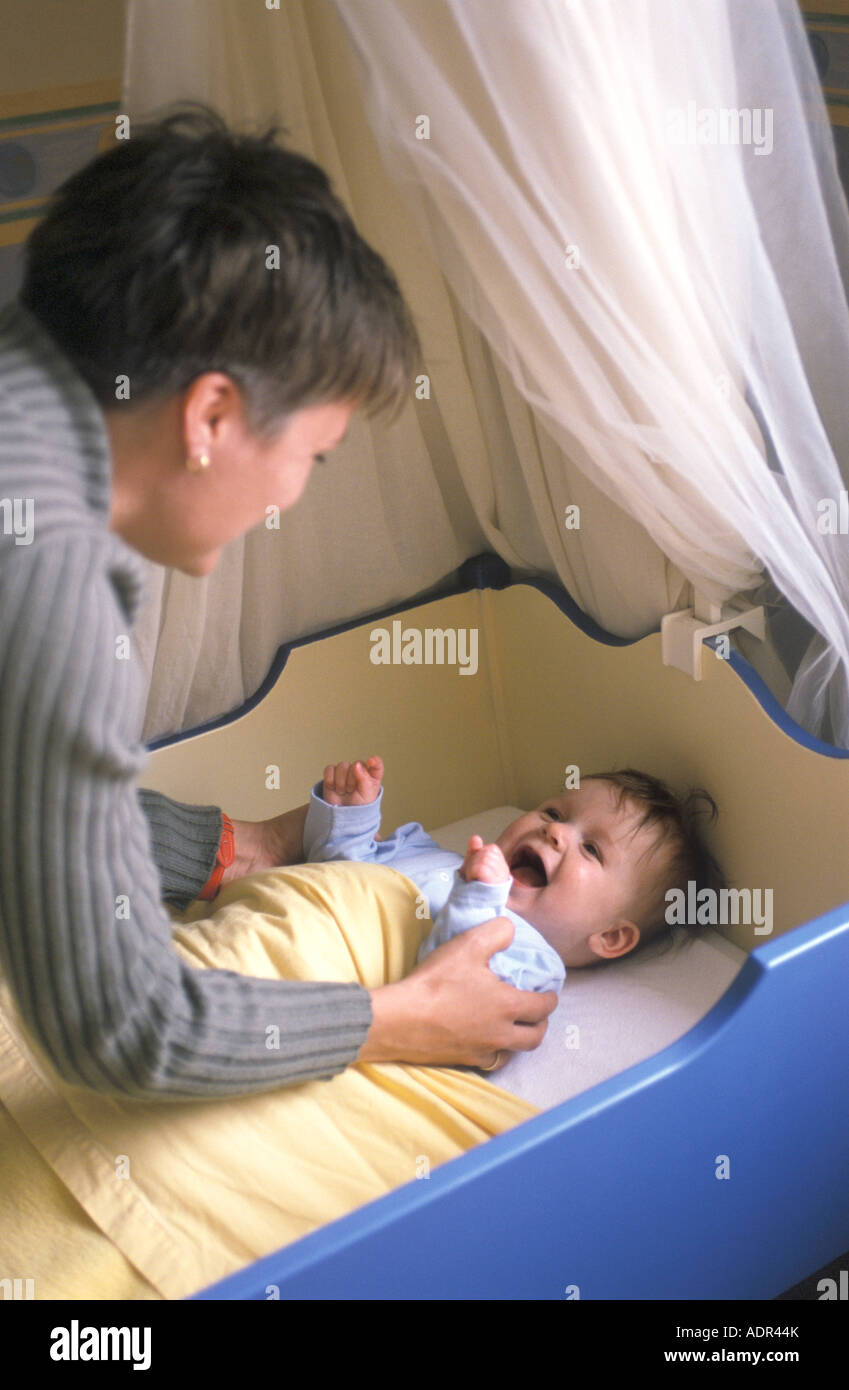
{"x": 612, "y": 1016}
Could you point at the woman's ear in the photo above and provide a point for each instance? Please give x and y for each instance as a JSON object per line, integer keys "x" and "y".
{"x": 210, "y": 403}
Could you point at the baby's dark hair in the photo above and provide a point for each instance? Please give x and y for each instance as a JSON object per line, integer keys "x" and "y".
{"x": 679, "y": 821}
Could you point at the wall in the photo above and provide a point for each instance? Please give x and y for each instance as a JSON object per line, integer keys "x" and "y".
{"x": 61, "y": 65}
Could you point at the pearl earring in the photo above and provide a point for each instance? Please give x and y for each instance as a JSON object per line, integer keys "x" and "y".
{"x": 198, "y": 464}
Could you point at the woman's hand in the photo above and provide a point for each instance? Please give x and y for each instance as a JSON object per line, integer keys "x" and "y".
{"x": 266, "y": 844}
{"x": 453, "y": 1011}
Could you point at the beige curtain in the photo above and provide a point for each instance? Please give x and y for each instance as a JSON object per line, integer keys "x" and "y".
{"x": 469, "y": 469}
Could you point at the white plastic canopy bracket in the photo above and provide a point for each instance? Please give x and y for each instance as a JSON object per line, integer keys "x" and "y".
{"x": 682, "y": 633}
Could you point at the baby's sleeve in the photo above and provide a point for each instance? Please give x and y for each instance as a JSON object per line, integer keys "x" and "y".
{"x": 340, "y": 832}
{"x": 529, "y": 962}
{"x": 467, "y": 905}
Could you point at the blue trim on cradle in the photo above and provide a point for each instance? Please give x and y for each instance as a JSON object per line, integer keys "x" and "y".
{"x": 490, "y": 572}
{"x": 773, "y": 709}
{"x": 481, "y": 572}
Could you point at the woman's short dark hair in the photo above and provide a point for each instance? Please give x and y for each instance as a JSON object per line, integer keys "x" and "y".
{"x": 158, "y": 261}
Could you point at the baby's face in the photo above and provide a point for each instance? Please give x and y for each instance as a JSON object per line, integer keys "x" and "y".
{"x": 575, "y": 867}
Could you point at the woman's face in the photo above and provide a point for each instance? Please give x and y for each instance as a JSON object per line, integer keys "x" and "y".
{"x": 183, "y": 518}
{"x": 254, "y": 477}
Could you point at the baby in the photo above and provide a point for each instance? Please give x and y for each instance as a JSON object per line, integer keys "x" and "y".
{"x": 583, "y": 878}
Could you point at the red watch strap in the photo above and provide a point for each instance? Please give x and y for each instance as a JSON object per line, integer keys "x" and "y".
{"x": 226, "y": 855}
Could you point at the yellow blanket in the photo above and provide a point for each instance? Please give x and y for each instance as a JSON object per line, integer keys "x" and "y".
{"x": 110, "y": 1199}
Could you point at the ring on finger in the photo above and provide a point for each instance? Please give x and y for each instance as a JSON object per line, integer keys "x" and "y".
{"x": 494, "y": 1064}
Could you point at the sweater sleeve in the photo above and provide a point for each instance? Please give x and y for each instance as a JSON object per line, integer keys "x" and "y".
{"x": 84, "y": 940}
{"x": 185, "y": 842}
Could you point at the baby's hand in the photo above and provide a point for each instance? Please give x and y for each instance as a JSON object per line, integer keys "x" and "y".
{"x": 484, "y": 863}
{"x": 352, "y": 784}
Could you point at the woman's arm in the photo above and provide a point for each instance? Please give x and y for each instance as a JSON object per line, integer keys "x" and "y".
{"x": 85, "y": 944}
{"x": 185, "y": 839}
{"x": 184, "y": 842}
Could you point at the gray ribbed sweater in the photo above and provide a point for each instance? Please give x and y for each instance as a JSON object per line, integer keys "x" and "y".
{"x": 105, "y": 995}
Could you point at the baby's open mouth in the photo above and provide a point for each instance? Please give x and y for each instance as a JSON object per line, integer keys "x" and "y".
{"x": 527, "y": 867}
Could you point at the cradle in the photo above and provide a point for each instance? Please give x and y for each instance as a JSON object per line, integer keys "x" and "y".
{"x": 715, "y": 1169}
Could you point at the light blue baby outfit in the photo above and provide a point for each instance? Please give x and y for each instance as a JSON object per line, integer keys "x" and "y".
{"x": 347, "y": 832}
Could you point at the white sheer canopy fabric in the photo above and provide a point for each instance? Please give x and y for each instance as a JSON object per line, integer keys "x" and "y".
{"x": 207, "y": 644}
{"x": 625, "y": 304}
{"x": 638, "y": 202}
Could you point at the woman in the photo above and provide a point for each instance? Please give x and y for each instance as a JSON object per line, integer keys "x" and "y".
{"x": 198, "y": 320}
